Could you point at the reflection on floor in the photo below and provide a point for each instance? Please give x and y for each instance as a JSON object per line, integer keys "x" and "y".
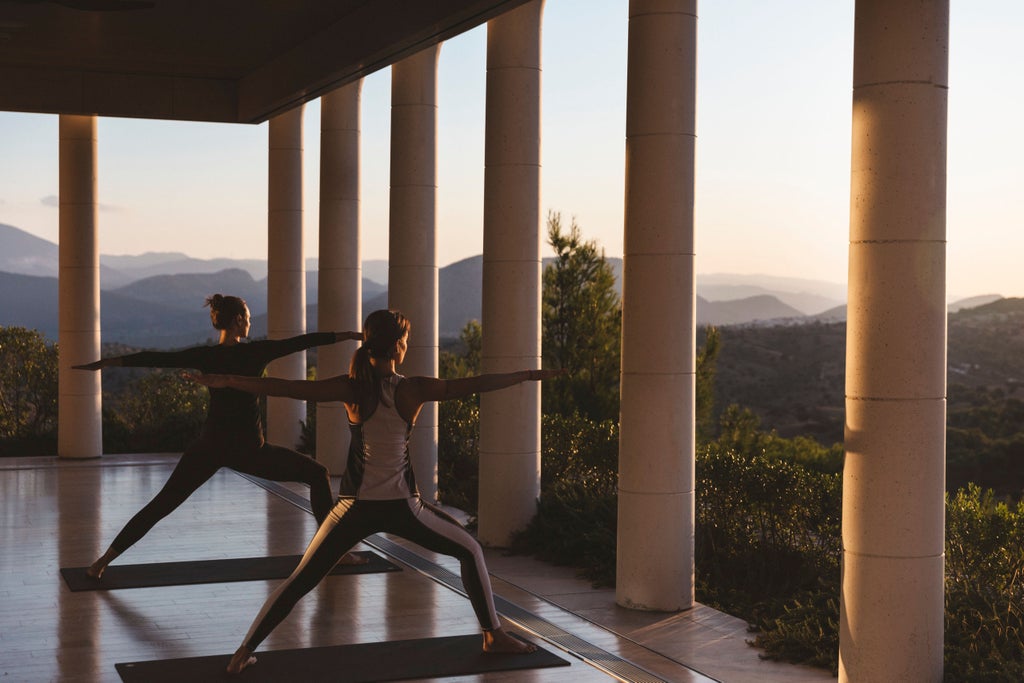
{"x": 63, "y": 513}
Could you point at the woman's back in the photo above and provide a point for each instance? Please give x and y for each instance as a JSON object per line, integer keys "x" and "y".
{"x": 378, "y": 457}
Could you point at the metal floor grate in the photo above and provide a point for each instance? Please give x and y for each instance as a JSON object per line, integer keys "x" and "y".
{"x": 597, "y": 657}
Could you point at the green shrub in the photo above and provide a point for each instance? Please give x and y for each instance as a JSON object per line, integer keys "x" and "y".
{"x": 765, "y": 528}
{"x": 160, "y": 412}
{"x": 28, "y": 393}
{"x": 458, "y": 453}
{"x": 767, "y": 548}
{"x": 984, "y": 588}
{"x": 574, "y": 526}
{"x": 576, "y": 515}
{"x": 579, "y": 450}
{"x": 805, "y": 628}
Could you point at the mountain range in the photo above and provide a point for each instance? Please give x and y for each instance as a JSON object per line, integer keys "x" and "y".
{"x": 155, "y": 299}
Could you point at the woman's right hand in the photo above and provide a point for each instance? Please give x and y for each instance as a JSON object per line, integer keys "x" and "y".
{"x": 348, "y": 336}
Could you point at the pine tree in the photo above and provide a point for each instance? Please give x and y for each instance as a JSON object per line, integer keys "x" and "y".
{"x": 582, "y": 318}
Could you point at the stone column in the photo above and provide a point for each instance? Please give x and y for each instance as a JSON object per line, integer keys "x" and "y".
{"x": 79, "y": 408}
{"x": 891, "y": 609}
{"x": 340, "y": 276}
{"x": 510, "y": 419}
{"x": 656, "y": 443}
{"x": 286, "y": 272}
{"x": 412, "y": 252}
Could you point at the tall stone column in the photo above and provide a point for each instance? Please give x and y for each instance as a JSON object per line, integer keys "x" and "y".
{"x": 510, "y": 419}
{"x": 656, "y": 441}
{"x": 412, "y": 252}
{"x": 891, "y": 610}
{"x": 286, "y": 272}
{"x": 79, "y": 408}
{"x": 340, "y": 276}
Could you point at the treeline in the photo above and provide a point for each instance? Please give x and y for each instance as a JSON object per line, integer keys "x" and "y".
{"x": 793, "y": 379}
{"x": 768, "y": 460}
{"x": 768, "y": 508}
{"x": 144, "y": 410}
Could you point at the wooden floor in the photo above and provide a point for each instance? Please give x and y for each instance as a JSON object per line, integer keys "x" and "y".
{"x": 59, "y": 513}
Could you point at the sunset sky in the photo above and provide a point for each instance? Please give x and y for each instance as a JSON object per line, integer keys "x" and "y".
{"x": 773, "y": 149}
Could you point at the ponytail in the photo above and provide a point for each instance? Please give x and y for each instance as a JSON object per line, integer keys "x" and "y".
{"x": 361, "y": 370}
{"x": 381, "y": 332}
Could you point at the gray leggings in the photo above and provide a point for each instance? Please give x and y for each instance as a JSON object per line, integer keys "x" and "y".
{"x": 353, "y": 520}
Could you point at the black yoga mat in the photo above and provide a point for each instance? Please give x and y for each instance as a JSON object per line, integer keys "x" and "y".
{"x": 361, "y": 663}
{"x": 208, "y": 571}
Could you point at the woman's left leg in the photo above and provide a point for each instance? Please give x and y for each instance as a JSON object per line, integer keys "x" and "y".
{"x": 339, "y": 532}
{"x": 435, "y": 530}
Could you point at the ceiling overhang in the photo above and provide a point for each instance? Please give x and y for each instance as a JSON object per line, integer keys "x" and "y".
{"x": 237, "y": 61}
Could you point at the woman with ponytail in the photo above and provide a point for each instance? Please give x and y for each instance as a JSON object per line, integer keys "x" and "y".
{"x": 378, "y": 490}
{"x": 232, "y": 435}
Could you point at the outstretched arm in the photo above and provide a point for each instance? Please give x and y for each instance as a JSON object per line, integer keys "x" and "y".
{"x": 348, "y": 336}
{"x": 185, "y": 358}
{"x": 99, "y": 364}
{"x": 433, "y": 389}
{"x": 276, "y": 348}
{"x": 339, "y": 388}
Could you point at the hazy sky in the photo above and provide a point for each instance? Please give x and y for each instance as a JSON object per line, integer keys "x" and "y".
{"x": 773, "y": 148}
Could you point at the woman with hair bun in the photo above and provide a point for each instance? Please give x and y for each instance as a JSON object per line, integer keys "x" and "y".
{"x": 378, "y": 491}
{"x": 232, "y": 435}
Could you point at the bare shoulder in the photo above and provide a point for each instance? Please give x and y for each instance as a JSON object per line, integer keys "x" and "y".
{"x": 421, "y": 388}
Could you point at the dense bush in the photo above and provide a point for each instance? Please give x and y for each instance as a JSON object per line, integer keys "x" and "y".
{"x": 576, "y": 517}
{"x": 767, "y": 548}
{"x": 984, "y": 588}
{"x": 159, "y": 412}
{"x": 458, "y": 443}
{"x": 28, "y": 393}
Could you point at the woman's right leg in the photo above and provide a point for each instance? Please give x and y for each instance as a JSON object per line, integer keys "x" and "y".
{"x": 194, "y": 468}
{"x": 341, "y": 530}
{"x": 278, "y": 463}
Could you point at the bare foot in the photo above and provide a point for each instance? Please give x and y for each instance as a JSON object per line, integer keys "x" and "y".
{"x": 498, "y": 640}
{"x": 353, "y": 559}
{"x": 96, "y": 569}
{"x": 240, "y": 660}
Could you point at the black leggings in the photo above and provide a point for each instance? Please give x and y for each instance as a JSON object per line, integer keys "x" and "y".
{"x": 353, "y": 520}
{"x": 202, "y": 459}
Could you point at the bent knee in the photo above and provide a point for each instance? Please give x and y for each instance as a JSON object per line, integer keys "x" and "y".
{"x": 318, "y": 470}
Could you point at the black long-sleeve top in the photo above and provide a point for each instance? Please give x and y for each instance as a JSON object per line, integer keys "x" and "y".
{"x": 230, "y": 410}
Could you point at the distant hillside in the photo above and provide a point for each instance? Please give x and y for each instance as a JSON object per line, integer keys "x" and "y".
{"x": 793, "y": 376}
{"x": 838, "y": 313}
{"x": 26, "y": 254}
{"x": 175, "y": 284}
{"x": 29, "y": 301}
{"x": 972, "y": 302}
{"x": 22, "y": 253}
{"x": 189, "y": 291}
{"x": 159, "y": 312}
{"x": 749, "y": 310}
{"x": 807, "y": 296}
{"x": 123, "y": 270}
